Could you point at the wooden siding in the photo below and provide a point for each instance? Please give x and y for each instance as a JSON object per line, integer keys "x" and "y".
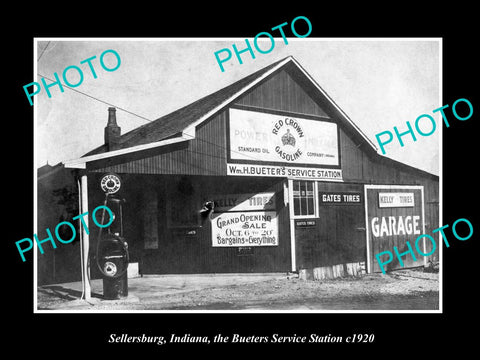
{"x": 178, "y": 252}
{"x": 281, "y": 92}
{"x": 359, "y": 167}
{"x": 203, "y": 155}
{"x": 182, "y": 253}
{"x": 337, "y": 237}
{"x": 352, "y": 159}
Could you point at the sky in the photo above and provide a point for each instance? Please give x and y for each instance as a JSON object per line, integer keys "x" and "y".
{"x": 378, "y": 83}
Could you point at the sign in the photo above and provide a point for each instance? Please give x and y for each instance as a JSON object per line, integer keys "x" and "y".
{"x": 244, "y": 251}
{"x": 110, "y": 183}
{"x": 285, "y": 171}
{"x": 340, "y": 198}
{"x": 257, "y": 228}
{"x": 256, "y": 136}
{"x": 243, "y": 202}
{"x": 305, "y": 223}
{"x": 395, "y": 225}
{"x": 396, "y": 200}
{"x": 392, "y": 220}
{"x": 109, "y": 268}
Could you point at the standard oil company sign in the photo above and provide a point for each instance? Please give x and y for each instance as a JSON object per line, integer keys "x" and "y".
{"x": 257, "y": 136}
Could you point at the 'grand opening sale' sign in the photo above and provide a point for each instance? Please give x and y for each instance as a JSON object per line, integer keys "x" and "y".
{"x": 234, "y": 229}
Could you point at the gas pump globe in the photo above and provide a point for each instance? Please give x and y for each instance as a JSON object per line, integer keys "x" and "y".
{"x": 112, "y": 249}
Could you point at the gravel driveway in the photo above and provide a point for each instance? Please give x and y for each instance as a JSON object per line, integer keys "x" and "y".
{"x": 398, "y": 290}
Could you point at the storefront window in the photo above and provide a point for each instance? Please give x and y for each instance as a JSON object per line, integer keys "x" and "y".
{"x": 303, "y": 198}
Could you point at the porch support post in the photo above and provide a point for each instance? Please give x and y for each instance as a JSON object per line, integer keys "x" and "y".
{"x": 85, "y": 240}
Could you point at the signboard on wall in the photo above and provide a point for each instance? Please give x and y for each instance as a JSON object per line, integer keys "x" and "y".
{"x": 258, "y": 136}
{"x": 340, "y": 198}
{"x": 305, "y": 223}
{"x": 396, "y": 199}
{"x": 244, "y": 202}
{"x": 234, "y": 229}
{"x": 284, "y": 171}
{"x": 395, "y": 215}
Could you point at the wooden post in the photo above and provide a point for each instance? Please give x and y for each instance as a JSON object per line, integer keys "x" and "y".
{"x": 293, "y": 256}
{"x": 84, "y": 246}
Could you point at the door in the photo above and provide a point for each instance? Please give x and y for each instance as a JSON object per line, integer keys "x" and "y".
{"x": 394, "y": 215}
{"x": 336, "y": 233}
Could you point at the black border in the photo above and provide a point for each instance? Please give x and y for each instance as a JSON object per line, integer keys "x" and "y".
{"x": 63, "y": 334}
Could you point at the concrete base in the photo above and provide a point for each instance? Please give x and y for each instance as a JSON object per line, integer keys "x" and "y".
{"x": 132, "y": 271}
{"x": 149, "y": 287}
{"x": 333, "y": 271}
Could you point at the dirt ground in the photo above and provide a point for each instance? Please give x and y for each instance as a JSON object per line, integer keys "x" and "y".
{"x": 398, "y": 290}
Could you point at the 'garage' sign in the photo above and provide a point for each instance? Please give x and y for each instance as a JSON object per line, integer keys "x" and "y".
{"x": 395, "y": 214}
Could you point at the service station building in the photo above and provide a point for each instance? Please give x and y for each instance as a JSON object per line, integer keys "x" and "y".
{"x": 297, "y": 187}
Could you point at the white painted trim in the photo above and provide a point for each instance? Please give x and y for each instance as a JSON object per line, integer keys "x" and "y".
{"x": 314, "y": 216}
{"x": 367, "y": 233}
{"x": 316, "y": 210}
{"x": 423, "y": 228}
{"x": 256, "y": 81}
{"x": 399, "y": 186}
{"x": 312, "y": 80}
{"x": 237, "y": 94}
{"x": 80, "y": 163}
{"x": 189, "y": 132}
{"x": 87, "y": 292}
{"x": 292, "y": 225}
{"x": 316, "y": 199}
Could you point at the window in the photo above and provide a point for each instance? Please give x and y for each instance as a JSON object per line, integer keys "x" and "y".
{"x": 303, "y": 198}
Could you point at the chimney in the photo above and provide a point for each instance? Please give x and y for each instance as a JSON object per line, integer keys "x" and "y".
{"x": 112, "y": 131}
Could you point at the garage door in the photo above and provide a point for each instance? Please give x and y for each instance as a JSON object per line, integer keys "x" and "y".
{"x": 394, "y": 215}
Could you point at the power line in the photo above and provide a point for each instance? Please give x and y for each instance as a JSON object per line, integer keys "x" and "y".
{"x": 165, "y": 126}
{"x": 45, "y": 48}
{"x": 97, "y": 99}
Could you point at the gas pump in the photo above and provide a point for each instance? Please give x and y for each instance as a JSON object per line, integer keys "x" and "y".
{"x": 112, "y": 249}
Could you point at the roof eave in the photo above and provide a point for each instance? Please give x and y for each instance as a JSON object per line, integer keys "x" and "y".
{"x": 191, "y": 128}
{"x": 81, "y": 163}
{"x": 337, "y": 108}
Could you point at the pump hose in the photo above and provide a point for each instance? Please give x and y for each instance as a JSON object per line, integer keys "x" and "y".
{"x": 109, "y": 240}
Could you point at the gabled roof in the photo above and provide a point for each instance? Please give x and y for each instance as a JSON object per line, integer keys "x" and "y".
{"x": 176, "y": 122}
{"x": 180, "y": 124}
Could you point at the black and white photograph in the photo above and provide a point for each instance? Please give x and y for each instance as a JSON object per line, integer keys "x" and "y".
{"x": 242, "y": 186}
{"x": 245, "y": 182}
